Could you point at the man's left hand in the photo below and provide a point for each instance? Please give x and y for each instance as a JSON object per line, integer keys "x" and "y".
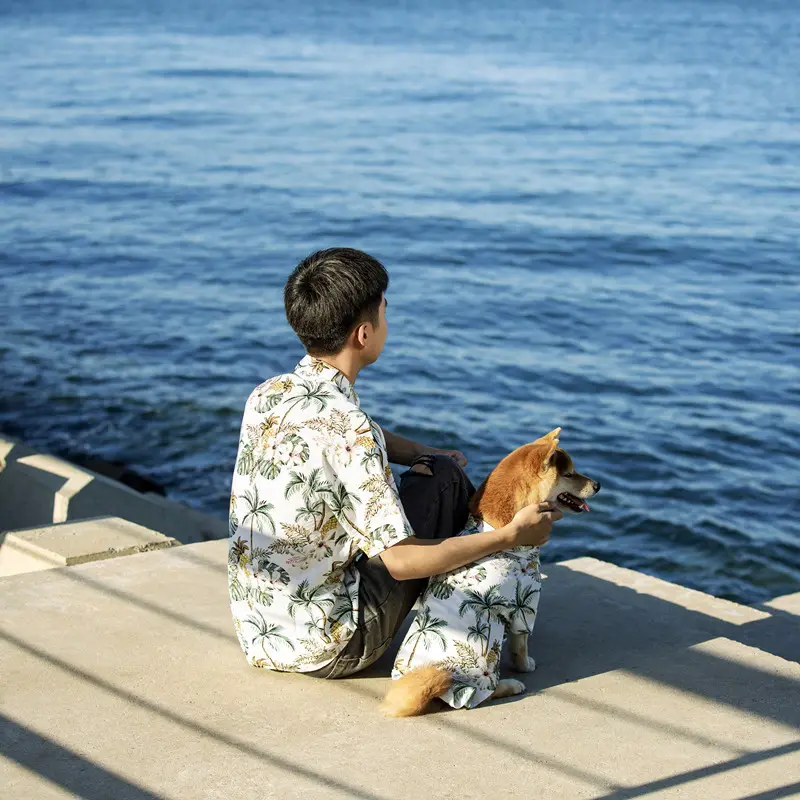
{"x": 459, "y": 457}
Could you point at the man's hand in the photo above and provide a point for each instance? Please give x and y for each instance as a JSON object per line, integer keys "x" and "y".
{"x": 531, "y": 525}
{"x": 403, "y": 451}
{"x": 459, "y": 457}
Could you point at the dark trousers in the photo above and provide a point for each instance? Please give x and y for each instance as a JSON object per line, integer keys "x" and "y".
{"x": 437, "y": 507}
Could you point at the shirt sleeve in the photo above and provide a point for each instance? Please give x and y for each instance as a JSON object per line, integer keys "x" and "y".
{"x": 364, "y": 497}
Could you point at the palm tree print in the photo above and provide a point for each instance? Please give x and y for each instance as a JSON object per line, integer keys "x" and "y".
{"x": 267, "y": 632}
{"x": 503, "y": 599}
{"x": 341, "y": 501}
{"x": 311, "y": 395}
{"x": 479, "y": 633}
{"x": 524, "y": 604}
{"x": 310, "y": 597}
{"x": 443, "y": 586}
{"x": 485, "y": 605}
{"x": 342, "y": 612}
{"x": 372, "y": 455}
{"x": 425, "y": 628}
{"x": 313, "y": 513}
{"x": 311, "y": 485}
{"x": 257, "y": 512}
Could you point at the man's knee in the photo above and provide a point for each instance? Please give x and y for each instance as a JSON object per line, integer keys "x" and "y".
{"x": 436, "y": 499}
{"x": 443, "y": 469}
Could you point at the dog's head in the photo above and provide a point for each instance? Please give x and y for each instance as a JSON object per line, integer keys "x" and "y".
{"x": 534, "y": 473}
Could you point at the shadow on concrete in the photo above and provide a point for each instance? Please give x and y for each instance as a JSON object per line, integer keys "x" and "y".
{"x": 587, "y": 626}
{"x": 72, "y": 772}
{"x": 244, "y": 747}
{"x": 658, "y": 726}
{"x": 790, "y": 790}
{"x": 614, "y": 791}
{"x": 570, "y": 646}
{"x": 705, "y": 772}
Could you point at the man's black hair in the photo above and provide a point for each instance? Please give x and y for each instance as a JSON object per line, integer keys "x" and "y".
{"x": 329, "y": 293}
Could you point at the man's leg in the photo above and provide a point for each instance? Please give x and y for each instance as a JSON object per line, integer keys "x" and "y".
{"x": 435, "y": 493}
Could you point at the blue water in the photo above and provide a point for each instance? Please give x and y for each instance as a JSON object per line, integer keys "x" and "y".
{"x": 590, "y": 213}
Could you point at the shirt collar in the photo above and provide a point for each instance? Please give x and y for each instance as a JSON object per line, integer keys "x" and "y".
{"x": 316, "y": 369}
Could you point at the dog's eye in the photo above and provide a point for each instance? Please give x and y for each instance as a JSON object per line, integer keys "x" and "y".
{"x": 569, "y": 474}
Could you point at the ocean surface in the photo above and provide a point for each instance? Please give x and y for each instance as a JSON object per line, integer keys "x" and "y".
{"x": 590, "y": 212}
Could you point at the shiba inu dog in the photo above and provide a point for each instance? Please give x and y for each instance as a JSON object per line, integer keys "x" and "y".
{"x": 534, "y": 473}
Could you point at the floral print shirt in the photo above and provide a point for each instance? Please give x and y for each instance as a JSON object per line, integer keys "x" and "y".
{"x": 312, "y": 490}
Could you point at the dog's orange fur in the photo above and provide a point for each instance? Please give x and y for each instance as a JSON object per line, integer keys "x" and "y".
{"x": 411, "y": 694}
{"x": 520, "y": 479}
{"x": 517, "y": 481}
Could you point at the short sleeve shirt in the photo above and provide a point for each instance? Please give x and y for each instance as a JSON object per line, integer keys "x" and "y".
{"x": 312, "y": 491}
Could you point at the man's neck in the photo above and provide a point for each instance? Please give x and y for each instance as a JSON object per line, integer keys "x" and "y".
{"x": 347, "y": 362}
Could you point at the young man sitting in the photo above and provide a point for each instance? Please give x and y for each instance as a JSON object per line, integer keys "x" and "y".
{"x": 326, "y": 557}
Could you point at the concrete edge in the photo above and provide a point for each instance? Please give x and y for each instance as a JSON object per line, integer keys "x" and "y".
{"x": 690, "y": 599}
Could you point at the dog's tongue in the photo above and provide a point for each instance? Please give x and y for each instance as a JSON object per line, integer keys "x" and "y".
{"x": 585, "y": 506}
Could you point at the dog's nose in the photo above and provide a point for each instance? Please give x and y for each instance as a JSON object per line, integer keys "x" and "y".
{"x": 596, "y": 486}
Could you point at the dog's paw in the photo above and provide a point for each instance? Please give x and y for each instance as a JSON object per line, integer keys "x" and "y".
{"x": 524, "y": 663}
{"x": 508, "y": 687}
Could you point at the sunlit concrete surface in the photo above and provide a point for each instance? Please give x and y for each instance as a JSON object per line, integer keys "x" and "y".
{"x": 789, "y": 604}
{"x": 123, "y": 679}
{"x": 71, "y": 543}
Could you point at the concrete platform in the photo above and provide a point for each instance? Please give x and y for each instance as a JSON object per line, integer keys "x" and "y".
{"x": 122, "y": 679}
{"x": 70, "y": 543}
{"x": 37, "y": 489}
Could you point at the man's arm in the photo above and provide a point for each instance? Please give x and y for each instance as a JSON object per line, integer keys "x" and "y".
{"x": 421, "y": 558}
{"x": 400, "y": 450}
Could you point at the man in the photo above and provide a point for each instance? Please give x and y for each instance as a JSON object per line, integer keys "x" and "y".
{"x": 326, "y": 556}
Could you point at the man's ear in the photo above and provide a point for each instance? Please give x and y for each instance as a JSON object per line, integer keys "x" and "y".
{"x": 360, "y": 335}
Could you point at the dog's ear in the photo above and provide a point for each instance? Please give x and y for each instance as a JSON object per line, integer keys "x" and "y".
{"x": 551, "y": 440}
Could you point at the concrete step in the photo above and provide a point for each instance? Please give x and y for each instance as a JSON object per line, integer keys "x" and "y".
{"x": 70, "y": 543}
{"x": 38, "y": 489}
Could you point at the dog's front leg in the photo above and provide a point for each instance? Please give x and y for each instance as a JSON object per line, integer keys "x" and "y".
{"x": 518, "y": 646}
{"x": 522, "y": 662}
{"x": 506, "y": 688}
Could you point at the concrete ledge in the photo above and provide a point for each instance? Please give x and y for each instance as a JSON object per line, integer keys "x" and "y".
{"x": 689, "y": 599}
{"x": 123, "y": 679}
{"x": 73, "y": 543}
{"x": 788, "y": 604}
{"x": 37, "y": 489}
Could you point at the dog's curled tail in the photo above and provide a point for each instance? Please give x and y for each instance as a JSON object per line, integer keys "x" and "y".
{"x": 411, "y": 694}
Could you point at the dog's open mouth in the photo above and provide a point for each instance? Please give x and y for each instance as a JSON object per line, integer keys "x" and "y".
{"x": 573, "y": 503}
